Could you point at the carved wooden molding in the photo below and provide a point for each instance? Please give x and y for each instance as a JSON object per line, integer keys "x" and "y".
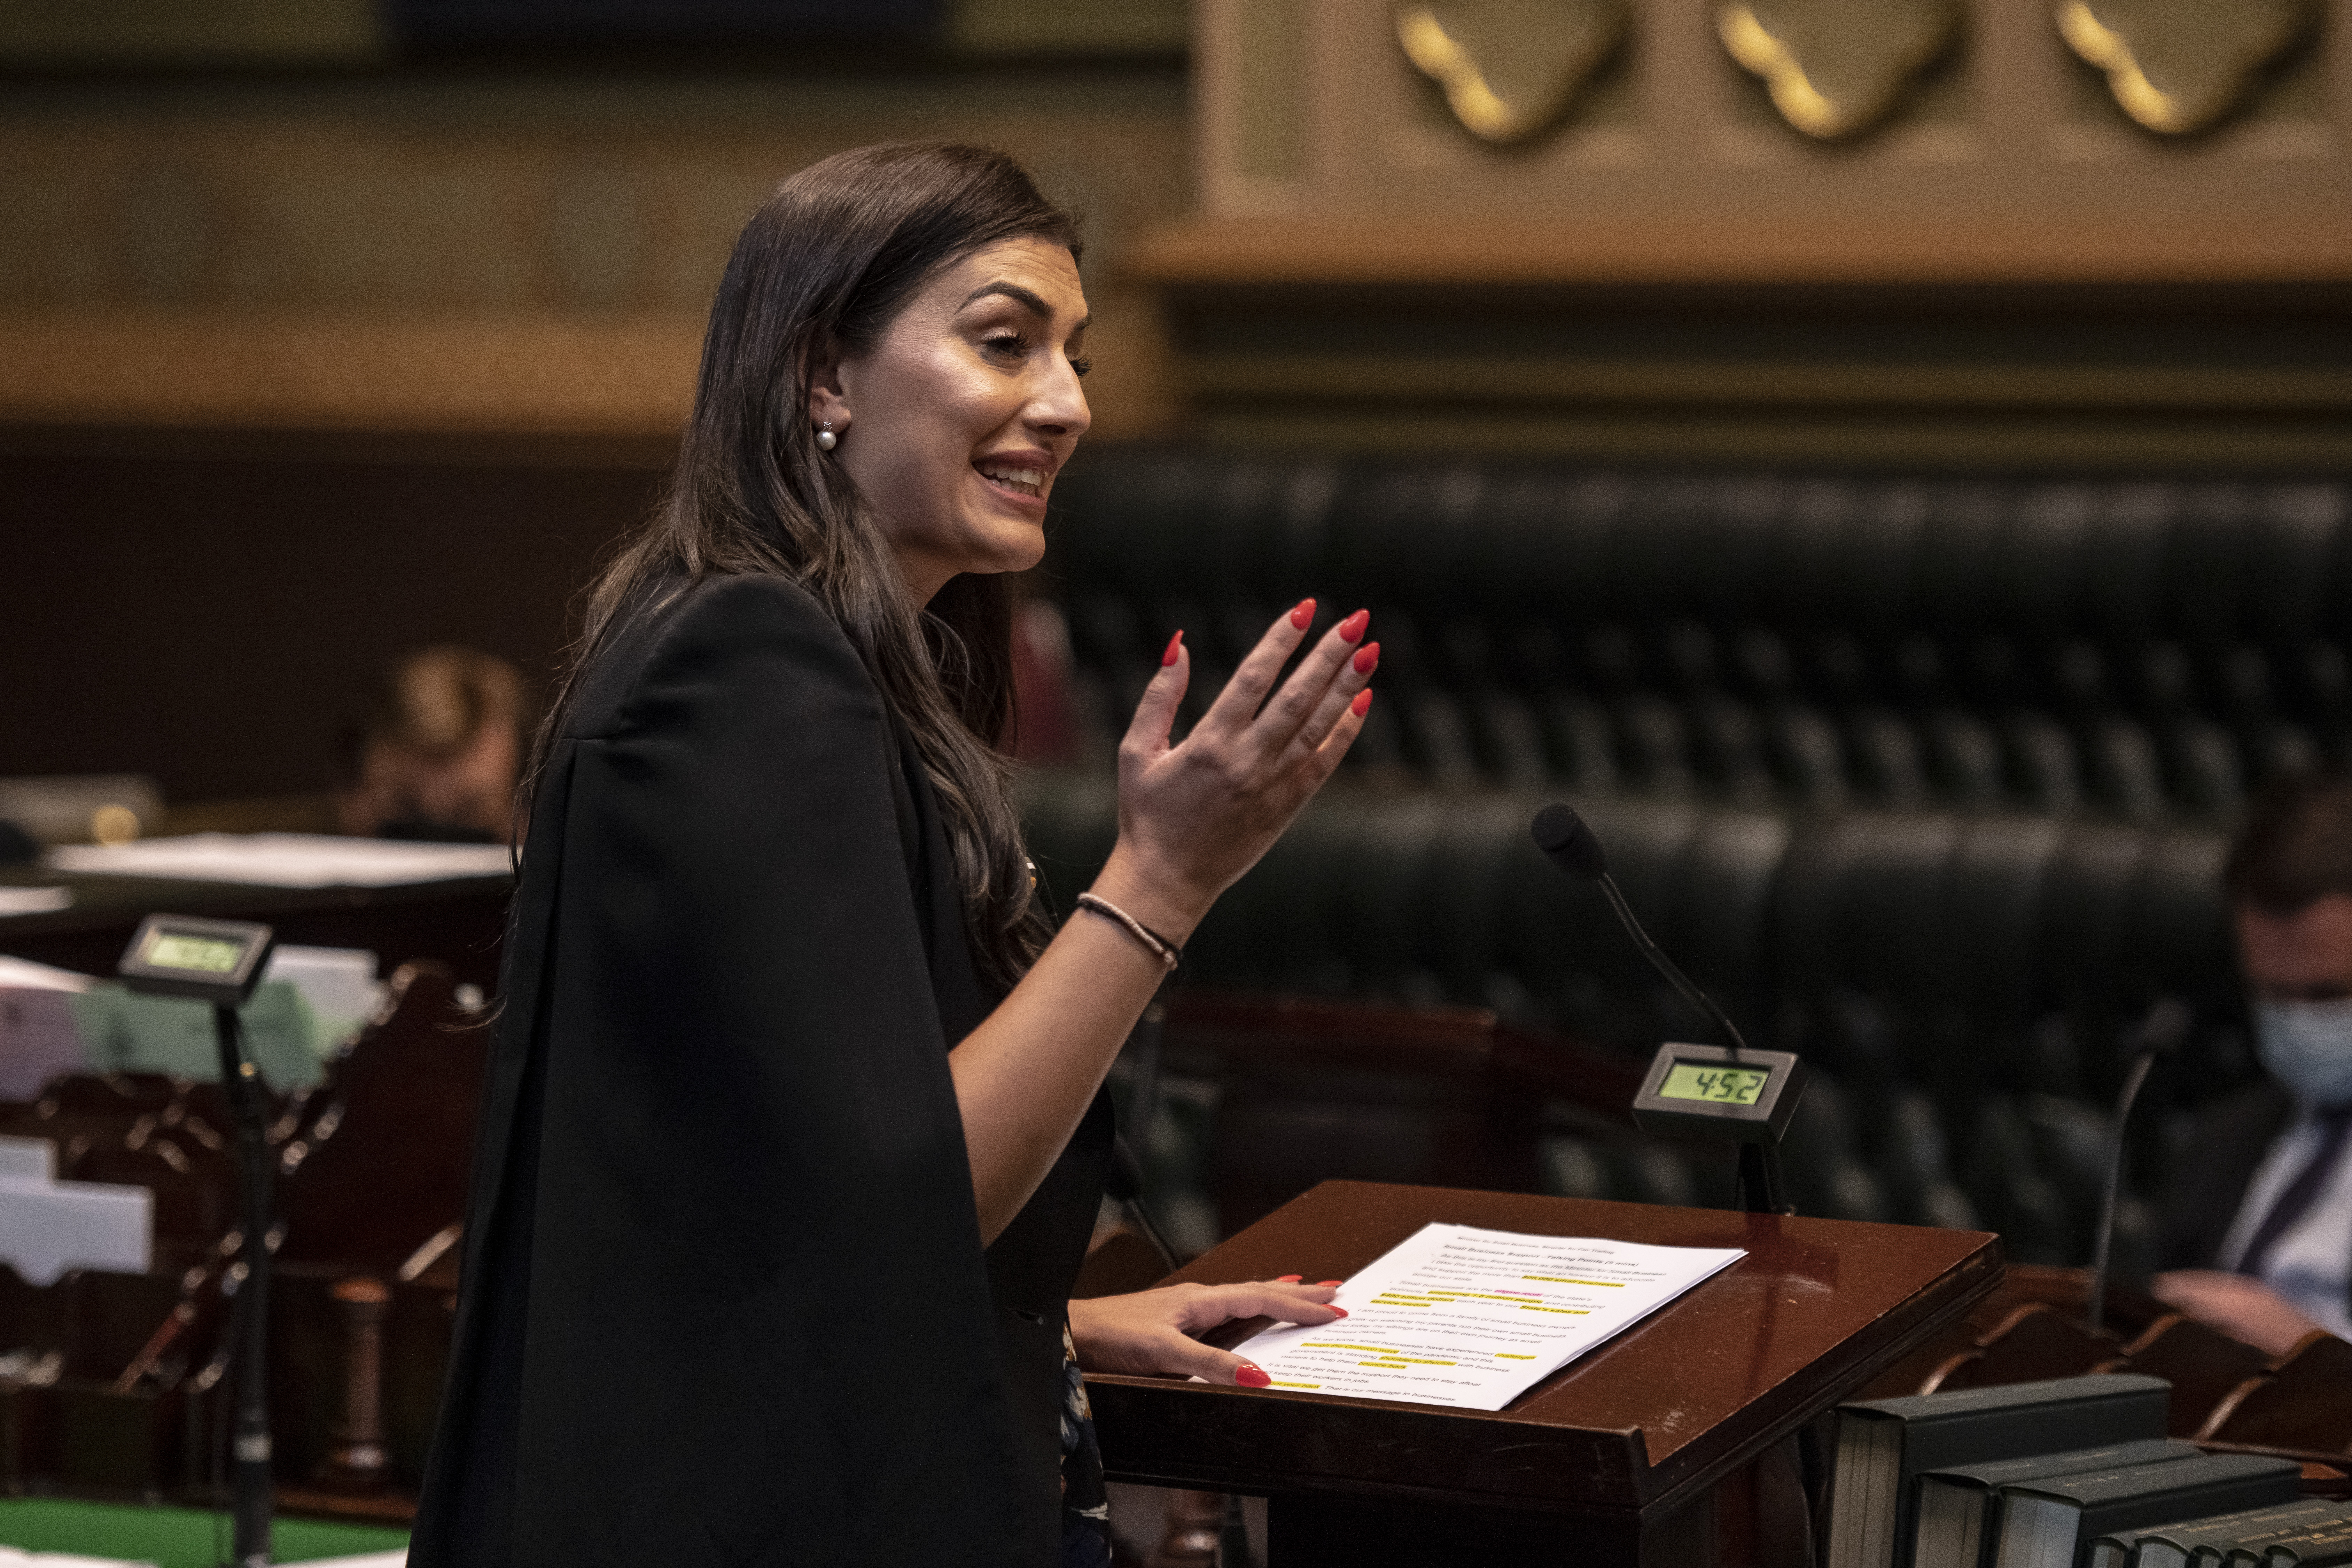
{"x": 1345, "y": 250}
{"x": 1510, "y": 67}
{"x": 2008, "y": 165}
{"x": 1836, "y": 67}
{"x": 621, "y": 373}
{"x": 2179, "y": 65}
{"x": 617, "y": 374}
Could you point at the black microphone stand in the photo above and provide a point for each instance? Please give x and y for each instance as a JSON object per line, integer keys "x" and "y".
{"x": 219, "y": 962}
{"x": 250, "y": 1471}
{"x": 2165, "y": 1026}
{"x": 1763, "y": 1187}
{"x": 1125, "y": 1178}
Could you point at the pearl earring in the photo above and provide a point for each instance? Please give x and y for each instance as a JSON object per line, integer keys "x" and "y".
{"x": 825, "y": 439}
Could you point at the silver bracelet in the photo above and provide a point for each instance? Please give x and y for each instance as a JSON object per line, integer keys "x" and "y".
{"x": 1167, "y": 952}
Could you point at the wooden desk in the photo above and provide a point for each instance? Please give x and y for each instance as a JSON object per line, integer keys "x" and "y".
{"x": 1614, "y": 1458}
{"x": 461, "y": 921}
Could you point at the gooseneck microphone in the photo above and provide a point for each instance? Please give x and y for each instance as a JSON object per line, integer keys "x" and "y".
{"x": 1563, "y": 836}
{"x": 1570, "y": 845}
{"x": 2162, "y": 1029}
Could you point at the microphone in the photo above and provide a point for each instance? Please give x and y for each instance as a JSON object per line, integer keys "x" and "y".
{"x": 1123, "y": 1182}
{"x": 2163, "y": 1029}
{"x": 1570, "y": 844}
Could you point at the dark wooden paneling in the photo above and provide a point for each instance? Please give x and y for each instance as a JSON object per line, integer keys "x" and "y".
{"x": 2072, "y": 377}
{"x": 210, "y": 609}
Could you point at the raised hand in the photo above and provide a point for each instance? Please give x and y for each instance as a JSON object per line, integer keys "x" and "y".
{"x": 1191, "y": 818}
{"x": 1195, "y": 816}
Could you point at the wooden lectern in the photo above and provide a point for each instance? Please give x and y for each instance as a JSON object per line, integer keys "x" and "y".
{"x": 1612, "y": 1460}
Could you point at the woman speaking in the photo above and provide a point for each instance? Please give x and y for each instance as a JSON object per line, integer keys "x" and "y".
{"x": 795, "y": 1134}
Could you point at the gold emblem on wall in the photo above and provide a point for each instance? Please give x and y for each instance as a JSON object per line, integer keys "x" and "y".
{"x": 2177, "y": 66}
{"x": 1509, "y": 68}
{"x": 1836, "y": 67}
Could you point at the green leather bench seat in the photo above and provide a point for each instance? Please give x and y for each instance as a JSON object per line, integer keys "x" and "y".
{"x": 1958, "y": 983}
{"x": 2141, "y": 650}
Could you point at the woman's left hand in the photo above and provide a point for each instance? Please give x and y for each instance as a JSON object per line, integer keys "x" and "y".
{"x": 1150, "y": 1332}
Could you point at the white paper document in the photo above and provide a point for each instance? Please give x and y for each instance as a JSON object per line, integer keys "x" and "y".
{"x": 35, "y": 901}
{"x": 40, "y": 1036}
{"x": 285, "y": 859}
{"x": 1454, "y": 1315}
{"x": 26, "y": 975}
{"x": 47, "y": 1227}
{"x": 33, "y": 1159}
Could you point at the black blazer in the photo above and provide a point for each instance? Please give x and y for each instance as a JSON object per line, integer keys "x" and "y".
{"x": 2226, "y": 1143}
{"x": 725, "y": 1301}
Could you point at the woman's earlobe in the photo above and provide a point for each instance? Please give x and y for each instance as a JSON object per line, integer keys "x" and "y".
{"x": 827, "y": 413}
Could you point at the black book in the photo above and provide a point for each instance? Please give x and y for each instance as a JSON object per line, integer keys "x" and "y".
{"x": 2330, "y": 1542}
{"x": 1885, "y": 1445}
{"x": 2053, "y": 1524}
{"x": 1960, "y": 1506}
{"x": 2205, "y": 1542}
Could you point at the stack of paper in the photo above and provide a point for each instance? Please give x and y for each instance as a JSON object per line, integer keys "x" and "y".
{"x": 53, "y": 1021}
{"x": 339, "y": 983}
{"x": 40, "y": 1036}
{"x": 32, "y": 976}
{"x": 48, "y": 1226}
{"x": 1454, "y": 1315}
{"x": 285, "y": 859}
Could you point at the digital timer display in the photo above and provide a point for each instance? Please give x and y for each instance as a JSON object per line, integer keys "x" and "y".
{"x": 1715, "y": 1084}
{"x": 168, "y": 949}
{"x": 218, "y": 962}
{"x": 1709, "y": 1092}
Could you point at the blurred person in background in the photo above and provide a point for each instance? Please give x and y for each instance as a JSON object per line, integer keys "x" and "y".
{"x": 438, "y": 752}
{"x": 1047, "y": 731}
{"x": 2258, "y": 1222}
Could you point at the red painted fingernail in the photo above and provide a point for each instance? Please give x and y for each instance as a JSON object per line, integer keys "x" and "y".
{"x": 1330, "y": 1283}
{"x": 1250, "y": 1376}
{"x": 1175, "y": 645}
{"x": 1339, "y": 1311}
{"x": 1365, "y": 657}
{"x": 1353, "y": 627}
{"x": 1288, "y": 1278}
{"x": 1362, "y": 704}
{"x": 1304, "y": 615}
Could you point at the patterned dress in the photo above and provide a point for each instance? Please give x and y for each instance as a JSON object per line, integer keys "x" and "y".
{"x": 1086, "y": 1506}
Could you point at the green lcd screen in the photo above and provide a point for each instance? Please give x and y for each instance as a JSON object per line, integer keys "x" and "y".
{"x": 196, "y": 955}
{"x": 1716, "y": 1085}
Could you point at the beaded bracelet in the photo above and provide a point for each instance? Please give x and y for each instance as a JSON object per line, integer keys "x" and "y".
{"x": 1167, "y": 952}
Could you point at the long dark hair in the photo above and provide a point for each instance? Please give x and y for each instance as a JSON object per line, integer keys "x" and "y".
{"x": 822, "y": 268}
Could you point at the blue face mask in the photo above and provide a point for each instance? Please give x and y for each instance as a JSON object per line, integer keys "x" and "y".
{"x": 2308, "y": 1046}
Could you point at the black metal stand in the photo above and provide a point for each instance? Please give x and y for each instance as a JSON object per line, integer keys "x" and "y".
{"x": 2164, "y": 1029}
{"x": 1762, "y": 1188}
{"x": 1142, "y": 1107}
{"x": 251, "y": 1476}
